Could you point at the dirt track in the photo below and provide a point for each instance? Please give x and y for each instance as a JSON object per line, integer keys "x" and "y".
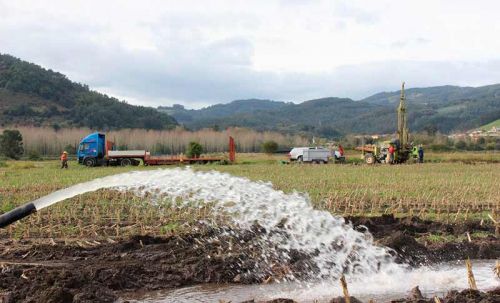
{"x": 88, "y": 271}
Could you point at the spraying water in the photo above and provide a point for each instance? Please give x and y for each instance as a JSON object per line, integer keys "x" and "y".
{"x": 336, "y": 246}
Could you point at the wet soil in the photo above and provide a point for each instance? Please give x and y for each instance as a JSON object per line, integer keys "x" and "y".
{"x": 408, "y": 237}
{"x": 92, "y": 271}
{"x": 464, "y": 296}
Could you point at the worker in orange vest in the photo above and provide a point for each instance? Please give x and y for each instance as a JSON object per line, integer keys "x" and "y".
{"x": 64, "y": 160}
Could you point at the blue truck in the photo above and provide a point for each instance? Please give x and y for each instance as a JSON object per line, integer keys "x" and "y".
{"x": 95, "y": 150}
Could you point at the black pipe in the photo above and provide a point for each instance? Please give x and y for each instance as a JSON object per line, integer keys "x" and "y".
{"x": 17, "y": 214}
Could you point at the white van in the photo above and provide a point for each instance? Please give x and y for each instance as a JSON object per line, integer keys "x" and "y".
{"x": 309, "y": 154}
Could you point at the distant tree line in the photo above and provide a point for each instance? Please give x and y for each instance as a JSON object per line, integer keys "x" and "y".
{"x": 48, "y": 142}
{"x": 35, "y": 143}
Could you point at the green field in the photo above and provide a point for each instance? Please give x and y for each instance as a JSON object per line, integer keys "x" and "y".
{"x": 488, "y": 126}
{"x": 443, "y": 191}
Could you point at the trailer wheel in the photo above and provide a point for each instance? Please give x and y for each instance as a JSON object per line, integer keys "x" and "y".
{"x": 125, "y": 162}
{"x": 370, "y": 159}
{"x": 89, "y": 162}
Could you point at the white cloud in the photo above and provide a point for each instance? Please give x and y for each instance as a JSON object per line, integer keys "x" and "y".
{"x": 203, "y": 52}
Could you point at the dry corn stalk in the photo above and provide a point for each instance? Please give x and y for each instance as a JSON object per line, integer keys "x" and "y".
{"x": 437, "y": 300}
{"x": 497, "y": 269}
{"x": 470, "y": 275}
{"x": 497, "y": 225}
{"x": 343, "y": 283}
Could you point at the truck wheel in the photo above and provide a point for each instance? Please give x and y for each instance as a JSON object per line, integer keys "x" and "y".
{"x": 89, "y": 162}
{"x": 299, "y": 159}
{"x": 125, "y": 162}
{"x": 370, "y": 159}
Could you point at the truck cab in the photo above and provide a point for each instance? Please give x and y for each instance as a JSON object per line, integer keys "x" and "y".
{"x": 95, "y": 150}
{"x": 92, "y": 149}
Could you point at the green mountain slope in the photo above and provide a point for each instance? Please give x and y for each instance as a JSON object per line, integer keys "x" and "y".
{"x": 438, "y": 94}
{"x": 206, "y": 114}
{"x": 32, "y": 95}
{"x": 489, "y": 126}
{"x": 327, "y": 117}
{"x": 444, "y": 109}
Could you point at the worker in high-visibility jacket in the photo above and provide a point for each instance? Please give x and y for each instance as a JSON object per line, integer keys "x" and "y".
{"x": 64, "y": 160}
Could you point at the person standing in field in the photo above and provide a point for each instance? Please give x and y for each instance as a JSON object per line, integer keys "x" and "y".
{"x": 391, "y": 153}
{"x": 64, "y": 160}
{"x": 420, "y": 154}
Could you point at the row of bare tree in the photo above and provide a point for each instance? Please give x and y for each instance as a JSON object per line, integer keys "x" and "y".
{"x": 46, "y": 141}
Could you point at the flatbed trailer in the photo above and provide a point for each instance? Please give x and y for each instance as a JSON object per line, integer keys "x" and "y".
{"x": 162, "y": 160}
{"x": 147, "y": 159}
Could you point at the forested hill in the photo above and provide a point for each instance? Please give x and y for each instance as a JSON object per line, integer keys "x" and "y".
{"x": 438, "y": 94}
{"x": 250, "y": 106}
{"x": 32, "y": 95}
{"x": 445, "y": 109}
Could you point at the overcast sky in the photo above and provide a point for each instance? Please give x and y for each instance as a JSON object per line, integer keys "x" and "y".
{"x": 204, "y": 52}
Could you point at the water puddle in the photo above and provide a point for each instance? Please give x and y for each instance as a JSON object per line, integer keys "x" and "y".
{"x": 437, "y": 280}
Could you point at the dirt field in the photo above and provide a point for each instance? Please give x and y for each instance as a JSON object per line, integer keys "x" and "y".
{"x": 89, "y": 271}
{"x": 100, "y": 245}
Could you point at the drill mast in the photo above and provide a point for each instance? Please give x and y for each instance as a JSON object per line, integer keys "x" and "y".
{"x": 402, "y": 124}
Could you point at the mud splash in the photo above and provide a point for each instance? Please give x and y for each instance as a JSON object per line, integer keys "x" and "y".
{"x": 76, "y": 271}
{"x": 289, "y": 221}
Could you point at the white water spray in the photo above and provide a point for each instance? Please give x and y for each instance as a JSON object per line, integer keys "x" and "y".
{"x": 337, "y": 247}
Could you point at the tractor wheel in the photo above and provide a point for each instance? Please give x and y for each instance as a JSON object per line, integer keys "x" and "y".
{"x": 370, "y": 159}
{"x": 125, "y": 162}
{"x": 89, "y": 162}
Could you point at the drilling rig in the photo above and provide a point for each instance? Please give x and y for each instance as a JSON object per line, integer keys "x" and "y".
{"x": 378, "y": 153}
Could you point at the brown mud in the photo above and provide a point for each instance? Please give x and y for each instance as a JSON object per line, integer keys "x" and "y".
{"x": 464, "y": 296}
{"x": 407, "y": 237}
{"x": 90, "y": 271}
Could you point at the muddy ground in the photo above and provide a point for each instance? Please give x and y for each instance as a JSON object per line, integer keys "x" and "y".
{"x": 91, "y": 271}
{"x": 415, "y": 296}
